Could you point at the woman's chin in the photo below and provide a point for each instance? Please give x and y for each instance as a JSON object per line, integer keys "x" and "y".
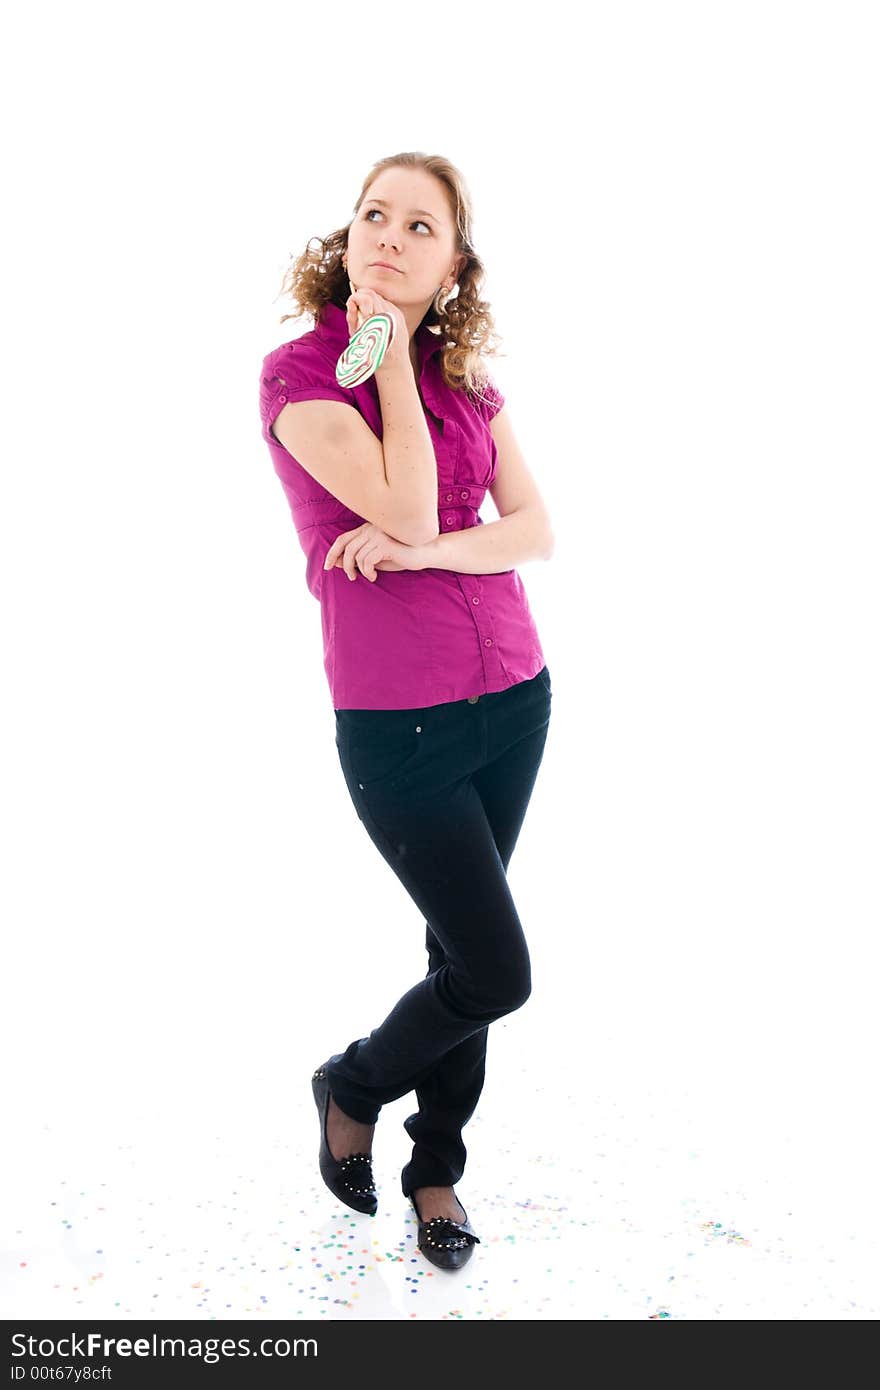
{"x": 381, "y": 287}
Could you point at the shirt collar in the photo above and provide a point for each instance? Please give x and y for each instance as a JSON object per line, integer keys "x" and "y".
{"x": 332, "y": 328}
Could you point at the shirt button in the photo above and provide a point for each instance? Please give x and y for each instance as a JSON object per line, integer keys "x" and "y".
{"x": 449, "y": 497}
{"x": 472, "y": 699}
{"x": 282, "y": 399}
{"x": 465, "y": 492}
{"x": 450, "y": 519}
{"x": 475, "y": 600}
{"x": 487, "y": 642}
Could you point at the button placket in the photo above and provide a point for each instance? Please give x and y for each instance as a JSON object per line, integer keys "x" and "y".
{"x": 482, "y": 621}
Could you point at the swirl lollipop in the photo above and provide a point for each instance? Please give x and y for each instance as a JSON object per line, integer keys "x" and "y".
{"x": 365, "y": 350}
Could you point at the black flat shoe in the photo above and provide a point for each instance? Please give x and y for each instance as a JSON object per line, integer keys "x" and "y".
{"x": 446, "y": 1243}
{"x": 350, "y": 1178}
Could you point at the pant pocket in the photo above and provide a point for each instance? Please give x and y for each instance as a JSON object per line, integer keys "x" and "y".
{"x": 382, "y": 747}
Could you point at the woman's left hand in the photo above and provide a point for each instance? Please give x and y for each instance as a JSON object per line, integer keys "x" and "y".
{"x": 368, "y": 549}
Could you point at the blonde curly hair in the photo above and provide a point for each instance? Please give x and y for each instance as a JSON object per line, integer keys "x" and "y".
{"x": 318, "y": 277}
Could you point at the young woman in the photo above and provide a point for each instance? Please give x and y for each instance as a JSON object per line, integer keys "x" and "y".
{"x": 438, "y": 680}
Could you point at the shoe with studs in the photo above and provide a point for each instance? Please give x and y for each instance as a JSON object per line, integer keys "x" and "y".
{"x": 446, "y": 1243}
{"x": 349, "y": 1178}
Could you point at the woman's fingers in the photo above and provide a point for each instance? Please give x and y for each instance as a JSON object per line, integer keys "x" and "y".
{"x": 360, "y": 305}
{"x": 356, "y": 561}
{"x": 352, "y": 556}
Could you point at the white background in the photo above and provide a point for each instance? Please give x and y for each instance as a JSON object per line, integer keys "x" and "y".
{"x": 678, "y": 207}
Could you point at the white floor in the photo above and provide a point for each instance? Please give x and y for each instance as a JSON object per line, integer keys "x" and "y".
{"x": 662, "y": 1204}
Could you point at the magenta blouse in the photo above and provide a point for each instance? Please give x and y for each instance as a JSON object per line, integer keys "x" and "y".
{"x": 410, "y": 638}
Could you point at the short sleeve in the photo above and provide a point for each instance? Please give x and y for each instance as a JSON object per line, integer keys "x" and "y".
{"x": 296, "y": 373}
{"x": 492, "y": 400}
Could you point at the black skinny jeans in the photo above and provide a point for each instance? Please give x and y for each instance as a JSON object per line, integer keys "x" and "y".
{"x": 442, "y": 792}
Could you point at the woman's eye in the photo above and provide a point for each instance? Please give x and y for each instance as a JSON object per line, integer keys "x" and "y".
{"x": 418, "y": 223}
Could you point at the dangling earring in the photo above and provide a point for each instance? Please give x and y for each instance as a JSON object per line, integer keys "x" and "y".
{"x": 440, "y": 300}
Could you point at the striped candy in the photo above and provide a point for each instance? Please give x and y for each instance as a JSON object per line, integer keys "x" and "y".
{"x": 365, "y": 350}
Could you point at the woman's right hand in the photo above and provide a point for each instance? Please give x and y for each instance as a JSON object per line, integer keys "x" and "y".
{"x": 364, "y": 302}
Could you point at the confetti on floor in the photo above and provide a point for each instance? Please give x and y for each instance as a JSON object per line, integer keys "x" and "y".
{"x": 637, "y": 1210}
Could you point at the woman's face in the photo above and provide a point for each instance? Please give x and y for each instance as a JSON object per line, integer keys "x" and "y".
{"x": 406, "y": 221}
